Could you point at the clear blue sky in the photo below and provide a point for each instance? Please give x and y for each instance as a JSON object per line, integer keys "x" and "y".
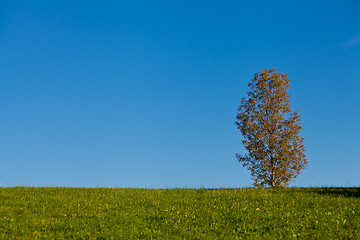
{"x": 145, "y": 93}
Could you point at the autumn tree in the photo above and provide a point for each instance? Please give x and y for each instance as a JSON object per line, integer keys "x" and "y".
{"x": 271, "y": 131}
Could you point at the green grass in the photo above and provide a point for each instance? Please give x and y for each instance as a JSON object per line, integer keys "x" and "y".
{"x": 105, "y": 213}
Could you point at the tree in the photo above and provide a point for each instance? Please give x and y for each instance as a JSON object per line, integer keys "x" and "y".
{"x": 271, "y": 131}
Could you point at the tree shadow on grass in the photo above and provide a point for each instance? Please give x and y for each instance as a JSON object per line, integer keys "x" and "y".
{"x": 338, "y": 191}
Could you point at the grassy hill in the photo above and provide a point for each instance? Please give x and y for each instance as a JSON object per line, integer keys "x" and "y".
{"x": 105, "y": 213}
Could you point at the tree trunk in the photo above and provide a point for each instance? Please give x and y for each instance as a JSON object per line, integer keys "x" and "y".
{"x": 273, "y": 179}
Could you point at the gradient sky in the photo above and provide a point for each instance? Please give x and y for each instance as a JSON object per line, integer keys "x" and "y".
{"x": 145, "y": 93}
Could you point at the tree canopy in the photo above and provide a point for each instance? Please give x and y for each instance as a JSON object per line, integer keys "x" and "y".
{"x": 271, "y": 131}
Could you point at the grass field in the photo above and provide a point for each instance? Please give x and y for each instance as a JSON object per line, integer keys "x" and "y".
{"x": 105, "y": 213}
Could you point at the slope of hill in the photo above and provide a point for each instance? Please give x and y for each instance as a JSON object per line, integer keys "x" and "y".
{"x": 105, "y": 213}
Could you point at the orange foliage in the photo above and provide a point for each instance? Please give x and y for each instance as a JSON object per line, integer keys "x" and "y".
{"x": 271, "y": 131}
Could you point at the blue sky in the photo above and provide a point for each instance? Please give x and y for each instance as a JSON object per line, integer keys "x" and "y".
{"x": 145, "y": 93}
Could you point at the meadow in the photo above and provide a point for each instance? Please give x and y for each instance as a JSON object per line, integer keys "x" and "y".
{"x": 116, "y": 213}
